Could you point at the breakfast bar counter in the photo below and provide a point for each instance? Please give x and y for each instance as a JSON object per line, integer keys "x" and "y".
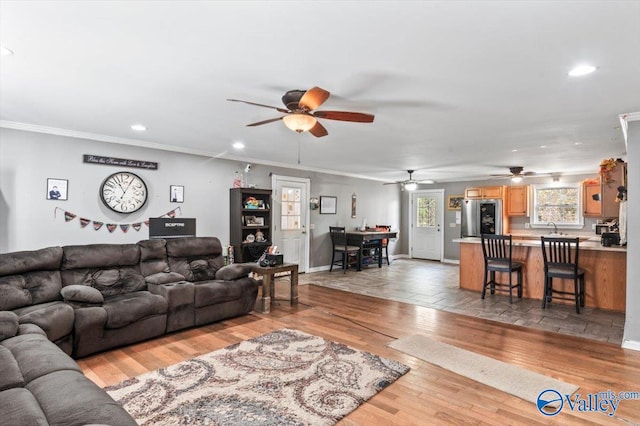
{"x": 605, "y": 271}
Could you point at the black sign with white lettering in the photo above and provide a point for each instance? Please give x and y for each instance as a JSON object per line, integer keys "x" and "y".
{"x": 122, "y": 162}
{"x": 171, "y": 227}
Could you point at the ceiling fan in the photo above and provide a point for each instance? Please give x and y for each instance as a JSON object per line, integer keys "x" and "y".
{"x": 300, "y": 115}
{"x": 516, "y": 174}
{"x": 409, "y": 184}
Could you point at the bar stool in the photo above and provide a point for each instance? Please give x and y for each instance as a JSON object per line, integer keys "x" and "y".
{"x": 561, "y": 261}
{"x": 498, "y": 258}
{"x": 385, "y": 241}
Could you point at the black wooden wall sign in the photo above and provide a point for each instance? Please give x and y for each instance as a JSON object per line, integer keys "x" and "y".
{"x": 112, "y": 161}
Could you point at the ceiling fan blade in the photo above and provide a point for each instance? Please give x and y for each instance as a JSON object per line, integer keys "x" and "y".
{"x": 318, "y": 130}
{"x": 286, "y": 111}
{"x": 259, "y": 123}
{"x": 313, "y": 98}
{"x": 357, "y": 117}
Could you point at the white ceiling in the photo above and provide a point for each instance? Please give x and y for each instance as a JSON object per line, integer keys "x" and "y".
{"x": 455, "y": 86}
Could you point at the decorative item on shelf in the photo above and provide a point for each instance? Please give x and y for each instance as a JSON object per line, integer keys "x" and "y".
{"x": 251, "y": 203}
{"x": 314, "y": 203}
{"x": 591, "y": 181}
{"x": 250, "y": 238}
{"x": 260, "y": 237}
{"x": 606, "y": 167}
{"x": 622, "y": 194}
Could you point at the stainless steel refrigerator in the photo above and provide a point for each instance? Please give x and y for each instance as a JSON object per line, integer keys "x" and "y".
{"x": 481, "y": 217}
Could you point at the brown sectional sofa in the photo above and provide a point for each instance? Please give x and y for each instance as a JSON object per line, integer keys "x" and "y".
{"x": 89, "y": 298}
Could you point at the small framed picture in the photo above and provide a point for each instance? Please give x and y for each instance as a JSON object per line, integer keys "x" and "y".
{"x": 328, "y": 205}
{"x": 454, "y": 202}
{"x": 57, "y": 189}
{"x": 176, "y": 194}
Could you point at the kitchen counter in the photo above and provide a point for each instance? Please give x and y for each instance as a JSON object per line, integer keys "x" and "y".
{"x": 605, "y": 270}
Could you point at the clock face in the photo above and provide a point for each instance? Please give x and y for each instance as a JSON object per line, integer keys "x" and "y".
{"x": 123, "y": 192}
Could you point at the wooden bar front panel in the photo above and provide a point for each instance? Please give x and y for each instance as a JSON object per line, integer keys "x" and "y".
{"x": 605, "y": 274}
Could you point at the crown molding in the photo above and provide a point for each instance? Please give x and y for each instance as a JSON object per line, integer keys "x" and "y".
{"x": 624, "y": 124}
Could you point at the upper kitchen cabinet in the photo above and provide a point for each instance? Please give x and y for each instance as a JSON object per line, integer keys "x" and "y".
{"x": 518, "y": 200}
{"x": 600, "y": 194}
{"x": 480, "y": 192}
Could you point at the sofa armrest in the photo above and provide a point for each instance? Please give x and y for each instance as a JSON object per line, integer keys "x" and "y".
{"x": 81, "y": 296}
{"x": 164, "y": 278}
{"x": 8, "y": 324}
{"x": 233, "y": 271}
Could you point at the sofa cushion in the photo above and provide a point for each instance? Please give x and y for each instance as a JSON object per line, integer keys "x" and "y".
{"x": 46, "y": 259}
{"x": 214, "y": 292}
{"x": 126, "y": 309}
{"x": 82, "y": 295}
{"x": 164, "y": 278}
{"x": 10, "y": 375}
{"x": 195, "y": 258}
{"x": 19, "y": 407}
{"x": 100, "y": 256}
{"x": 29, "y": 288}
{"x": 153, "y": 256}
{"x": 233, "y": 272}
{"x": 8, "y": 324}
{"x": 55, "y": 318}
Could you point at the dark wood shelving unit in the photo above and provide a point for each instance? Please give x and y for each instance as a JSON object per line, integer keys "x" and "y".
{"x": 239, "y": 231}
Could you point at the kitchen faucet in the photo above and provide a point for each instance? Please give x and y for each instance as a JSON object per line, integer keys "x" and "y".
{"x": 555, "y": 228}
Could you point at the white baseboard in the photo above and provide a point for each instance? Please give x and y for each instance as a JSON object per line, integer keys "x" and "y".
{"x": 631, "y": 344}
{"x": 451, "y": 261}
{"x": 400, "y": 256}
{"x": 319, "y": 268}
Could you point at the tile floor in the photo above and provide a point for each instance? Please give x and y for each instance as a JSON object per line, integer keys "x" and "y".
{"x": 435, "y": 285}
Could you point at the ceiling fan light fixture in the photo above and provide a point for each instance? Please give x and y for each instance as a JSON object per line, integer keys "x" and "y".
{"x": 516, "y": 179}
{"x": 410, "y": 186}
{"x": 299, "y": 122}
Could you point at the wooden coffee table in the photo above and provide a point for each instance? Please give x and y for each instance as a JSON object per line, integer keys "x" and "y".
{"x": 268, "y": 290}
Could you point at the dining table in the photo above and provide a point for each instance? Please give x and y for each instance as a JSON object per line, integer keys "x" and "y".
{"x": 369, "y": 240}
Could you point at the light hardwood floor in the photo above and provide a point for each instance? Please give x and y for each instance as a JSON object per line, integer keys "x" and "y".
{"x": 427, "y": 394}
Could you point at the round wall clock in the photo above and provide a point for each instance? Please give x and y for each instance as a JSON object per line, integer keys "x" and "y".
{"x": 123, "y": 192}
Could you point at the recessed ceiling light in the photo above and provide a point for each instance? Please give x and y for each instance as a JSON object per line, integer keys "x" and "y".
{"x": 577, "y": 143}
{"x": 543, "y": 146}
{"x": 5, "y": 51}
{"x": 514, "y": 150}
{"x": 138, "y": 127}
{"x": 238, "y": 145}
{"x": 582, "y": 70}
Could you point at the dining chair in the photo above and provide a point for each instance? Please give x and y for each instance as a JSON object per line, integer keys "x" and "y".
{"x": 497, "y": 252}
{"x": 340, "y": 246}
{"x": 560, "y": 257}
{"x": 385, "y": 241}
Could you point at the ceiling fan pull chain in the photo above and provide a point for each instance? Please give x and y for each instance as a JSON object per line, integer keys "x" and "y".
{"x": 298, "y": 148}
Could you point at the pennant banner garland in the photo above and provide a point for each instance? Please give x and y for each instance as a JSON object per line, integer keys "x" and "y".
{"x": 111, "y": 227}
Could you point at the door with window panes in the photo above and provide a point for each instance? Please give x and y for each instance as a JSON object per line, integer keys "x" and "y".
{"x": 426, "y": 219}
{"x": 290, "y": 210}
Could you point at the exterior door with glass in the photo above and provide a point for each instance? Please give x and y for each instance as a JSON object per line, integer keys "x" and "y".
{"x": 427, "y": 216}
{"x": 290, "y": 219}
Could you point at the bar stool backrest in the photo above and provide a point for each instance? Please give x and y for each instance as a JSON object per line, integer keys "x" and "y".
{"x": 560, "y": 253}
{"x": 338, "y": 237}
{"x": 496, "y": 248}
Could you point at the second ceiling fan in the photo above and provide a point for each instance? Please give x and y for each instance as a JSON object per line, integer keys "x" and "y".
{"x": 300, "y": 115}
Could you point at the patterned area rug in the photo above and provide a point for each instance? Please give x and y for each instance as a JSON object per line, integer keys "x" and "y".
{"x": 285, "y": 377}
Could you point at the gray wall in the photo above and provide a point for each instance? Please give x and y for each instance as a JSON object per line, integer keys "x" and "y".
{"x": 632, "y": 320}
{"x": 27, "y": 220}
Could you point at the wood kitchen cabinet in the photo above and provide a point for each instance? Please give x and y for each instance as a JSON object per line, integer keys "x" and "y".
{"x": 479, "y": 192}
{"x": 518, "y": 200}
{"x": 605, "y": 204}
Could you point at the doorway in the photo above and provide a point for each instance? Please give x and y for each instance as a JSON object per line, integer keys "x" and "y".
{"x": 426, "y": 236}
{"x": 291, "y": 219}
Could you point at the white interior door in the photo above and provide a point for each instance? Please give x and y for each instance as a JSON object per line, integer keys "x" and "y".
{"x": 427, "y": 217}
{"x": 291, "y": 219}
